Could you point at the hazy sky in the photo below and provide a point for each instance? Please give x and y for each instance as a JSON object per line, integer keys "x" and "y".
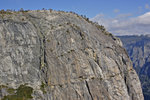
{"x": 90, "y": 8}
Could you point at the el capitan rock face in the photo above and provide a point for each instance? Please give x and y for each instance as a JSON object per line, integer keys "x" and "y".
{"x": 50, "y": 55}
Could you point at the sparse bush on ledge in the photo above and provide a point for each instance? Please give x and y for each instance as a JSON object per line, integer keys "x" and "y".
{"x": 100, "y": 27}
{"x": 5, "y": 12}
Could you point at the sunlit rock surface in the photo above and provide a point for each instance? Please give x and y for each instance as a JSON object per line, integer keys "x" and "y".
{"x": 50, "y": 55}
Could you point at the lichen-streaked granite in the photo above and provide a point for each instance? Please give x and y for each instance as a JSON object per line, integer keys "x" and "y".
{"x": 62, "y": 56}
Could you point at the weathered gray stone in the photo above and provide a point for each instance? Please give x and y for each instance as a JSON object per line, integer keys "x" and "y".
{"x": 62, "y": 56}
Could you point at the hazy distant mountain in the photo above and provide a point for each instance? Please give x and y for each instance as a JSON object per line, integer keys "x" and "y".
{"x": 138, "y": 48}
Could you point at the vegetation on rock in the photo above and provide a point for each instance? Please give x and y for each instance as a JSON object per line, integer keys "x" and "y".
{"x": 22, "y": 93}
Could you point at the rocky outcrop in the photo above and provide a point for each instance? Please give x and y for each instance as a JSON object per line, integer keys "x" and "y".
{"x": 50, "y": 55}
{"x": 138, "y": 48}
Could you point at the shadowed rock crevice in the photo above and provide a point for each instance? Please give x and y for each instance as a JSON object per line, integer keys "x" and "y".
{"x": 43, "y": 62}
{"x": 88, "y": 88}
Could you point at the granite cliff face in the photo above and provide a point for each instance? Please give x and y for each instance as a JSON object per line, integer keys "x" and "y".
{"x": 50, "y": 55}
{"x": 138, "y": 48}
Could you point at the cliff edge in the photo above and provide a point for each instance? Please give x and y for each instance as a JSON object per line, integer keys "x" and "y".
{"x": 50, "y": 55}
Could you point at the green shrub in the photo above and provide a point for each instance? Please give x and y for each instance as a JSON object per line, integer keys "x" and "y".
{"x": 42, "y": 87}
{"x": 22, "y": 93}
